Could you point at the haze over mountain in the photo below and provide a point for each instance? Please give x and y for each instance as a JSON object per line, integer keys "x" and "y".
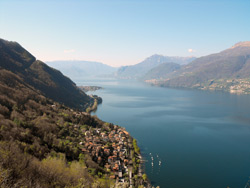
{"x": 82, "y": 69}
{"x": 227, "y": 70}
{"x": 18, "y": 63}
{"x": 139, "y": 70}
{"x": 161, "y": 71}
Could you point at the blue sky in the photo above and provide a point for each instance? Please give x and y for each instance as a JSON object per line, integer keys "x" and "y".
{"x": 124, "y": 32}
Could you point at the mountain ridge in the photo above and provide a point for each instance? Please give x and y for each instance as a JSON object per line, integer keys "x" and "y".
{"x": 161, "y": 71}
{"x": 220, "y": 71}
{"x": 49, "y": 81}
{"x": 82, "y": 69}
{"x": 44, "y": 143}
{"x": 240, "y": 44}
{"x": 137, "y": 71}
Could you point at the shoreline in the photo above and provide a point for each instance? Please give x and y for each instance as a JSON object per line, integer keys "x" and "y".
{"x": 89, "y": 88}
{"x": 134, "y": 174}
{"x": 95, "y": 101}
{"x": 232, "y": 86}
{"x": 114, "y": 150}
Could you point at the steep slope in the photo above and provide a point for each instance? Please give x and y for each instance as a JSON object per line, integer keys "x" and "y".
{"x": 82, "y": 69}
{"x": 225, "y": 70}
{"x": 140, "y": 69}
{"x": 13, "y": 57}
{"x": 44, "y": 143}
{"x": 48, "y": 81}
{"x": 39, "y": 139}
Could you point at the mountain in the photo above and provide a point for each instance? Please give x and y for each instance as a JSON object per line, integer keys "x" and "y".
{"x": 228, "y": 70}
{"x": 48, "y": 81}
{"x": 82, "y": 69}
{"x": 161, "y": 71}
{"x": 44, "y": 143}
{"x": 39, "y": 138}
{"x": 140, "y": 69}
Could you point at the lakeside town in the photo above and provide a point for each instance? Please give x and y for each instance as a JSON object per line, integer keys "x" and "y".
{"x": 117, "y": 152}
{"x": 235, "y": 86}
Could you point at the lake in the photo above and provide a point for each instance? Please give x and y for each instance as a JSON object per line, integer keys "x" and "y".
{"x": 189, "y": 138}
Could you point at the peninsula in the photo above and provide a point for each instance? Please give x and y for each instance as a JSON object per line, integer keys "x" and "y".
{"x": 89, "y": 88}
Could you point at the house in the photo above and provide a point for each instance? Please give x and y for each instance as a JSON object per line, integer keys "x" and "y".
{"x": 116, "y": 167}
{"x": 84, "y": 150}
{"x": 110, "y": 159}
{"x": 105, "y": 139}
{"x": 87, "y": 133}
{"x": 107, "y": 166}
{"x": 99, "y": 160}
{"x": 126, "y": 133}
{"x": 107, "y": 152}
{"x": 118, "y": 148}
{"x": 120, "y": 174}
{"x": 103, "y": 134}
{"x": 98, "y": 131}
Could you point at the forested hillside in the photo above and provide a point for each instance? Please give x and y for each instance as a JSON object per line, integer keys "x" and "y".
{"x": 50, "y": 82}
{"x": 44, "y": 143}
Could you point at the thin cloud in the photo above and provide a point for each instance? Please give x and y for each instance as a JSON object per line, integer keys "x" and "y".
{"x": 69, "y": 51}
{"x": 190, "y": 50}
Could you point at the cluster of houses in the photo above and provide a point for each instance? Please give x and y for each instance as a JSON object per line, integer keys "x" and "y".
{"x": 111, "y": 150}
{"x": 240, "y": 86}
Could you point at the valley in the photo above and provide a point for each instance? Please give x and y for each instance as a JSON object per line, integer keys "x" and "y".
{"x": 124, "y": 94}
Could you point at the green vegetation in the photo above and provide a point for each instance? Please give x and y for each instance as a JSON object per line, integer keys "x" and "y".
{"x": 136, "y": 148}
{"x": 144, "y": 177}
{"x": 93, "y": 107}
{"x": 44, "y": 143}
{"x": 40, "y": 144}
{"x": 40, "y": 77}
{"x": 39, "y": 138}
{"x": 24, "y": 169}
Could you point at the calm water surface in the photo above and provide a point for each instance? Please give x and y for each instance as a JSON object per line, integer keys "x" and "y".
{"x": 201, "y": 138}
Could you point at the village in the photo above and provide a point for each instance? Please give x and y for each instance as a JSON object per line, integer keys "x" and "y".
{"x": 117, "y": 152}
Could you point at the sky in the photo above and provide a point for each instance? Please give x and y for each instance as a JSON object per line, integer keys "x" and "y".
{"x": 124, "y": 32}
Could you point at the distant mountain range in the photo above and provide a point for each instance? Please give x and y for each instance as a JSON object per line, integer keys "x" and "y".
{"x": 140, "y": 70}
{"x": 82, "y": 69}
{"x": 18, "y": 66}
{"x": 228, "y": 70}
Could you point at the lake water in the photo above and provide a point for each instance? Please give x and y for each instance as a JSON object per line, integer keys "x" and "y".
{"x": 202, "y": 138}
